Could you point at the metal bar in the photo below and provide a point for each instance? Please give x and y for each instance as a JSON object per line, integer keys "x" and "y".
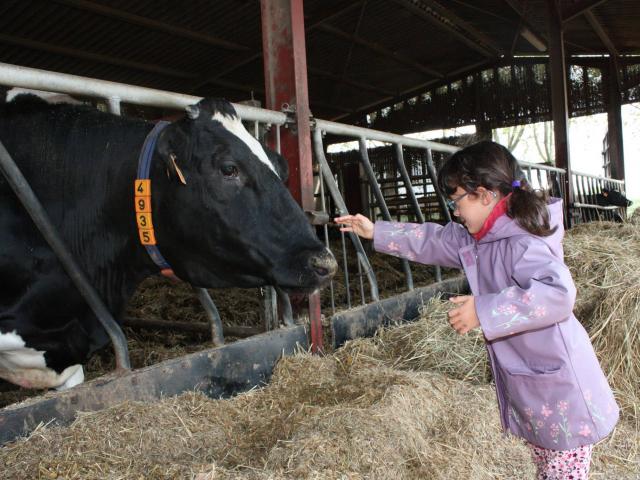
{"x": 434, "y": 181}
{"x": 197, "y": 327}
{"x": 345, "y": 266}
{"x": 342, "y": 209}
{"x": 382, "y": 204}
{"x": 39, "y": 216}
{"x": 353, "y": 131}
{"x": 16, "y": 76}
{"x": 114, "y": 105}
{"x": 213, "y": 315}
{"x": 578, "y": 9}
{"x": 284, "y": 306}
{"x": 407, "y": 183}
{"x": 325, "y": 229}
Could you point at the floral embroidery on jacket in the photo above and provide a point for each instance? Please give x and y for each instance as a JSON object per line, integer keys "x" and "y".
{"x": 510, "y": 309}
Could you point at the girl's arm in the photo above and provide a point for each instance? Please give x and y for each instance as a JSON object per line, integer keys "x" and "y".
{"x": 428, "y": 243}
{"x": 543, "y": 293}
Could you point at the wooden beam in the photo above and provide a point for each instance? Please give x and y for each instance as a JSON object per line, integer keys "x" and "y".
{"x": 153, "y": 24}
{"x": 559, "y": 102}
{"x": 602, "y": 35}
{"x": 579, "y": 8}
{"x": 433, "y": 12}
{"x": 536, "y": 39}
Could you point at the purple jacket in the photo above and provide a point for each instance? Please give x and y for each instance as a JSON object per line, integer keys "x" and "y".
{"x": 550, "y": 387}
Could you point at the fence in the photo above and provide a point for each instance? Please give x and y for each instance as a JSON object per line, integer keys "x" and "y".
{"x": 330, "y": 191}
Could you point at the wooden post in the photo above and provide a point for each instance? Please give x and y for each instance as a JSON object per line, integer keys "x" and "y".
{"x": 559, "y": 103}
{"x": 614, "y": 118}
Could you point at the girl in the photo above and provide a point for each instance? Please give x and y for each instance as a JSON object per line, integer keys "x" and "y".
{"x": 550, "y": 387}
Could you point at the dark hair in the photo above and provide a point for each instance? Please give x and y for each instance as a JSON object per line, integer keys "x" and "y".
{"x": 490, "y": 165}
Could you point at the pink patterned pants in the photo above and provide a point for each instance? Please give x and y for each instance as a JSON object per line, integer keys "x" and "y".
{"x": 562, "y": 464}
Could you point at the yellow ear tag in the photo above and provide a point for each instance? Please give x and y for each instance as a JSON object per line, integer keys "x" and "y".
{"x": 178, "y": 171}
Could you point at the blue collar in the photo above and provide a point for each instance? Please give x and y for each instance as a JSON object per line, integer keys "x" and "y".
{"x": 142, "y": 191}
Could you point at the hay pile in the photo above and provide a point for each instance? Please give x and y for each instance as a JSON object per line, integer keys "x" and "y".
{"x": 604, "y": 259}
{"x": 351, "y": 415}
{"x": 432, "y": 345}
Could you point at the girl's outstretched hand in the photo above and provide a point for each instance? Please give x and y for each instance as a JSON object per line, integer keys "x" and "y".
{"x": 463, "y": 318}
{"x": 359, "y": 224}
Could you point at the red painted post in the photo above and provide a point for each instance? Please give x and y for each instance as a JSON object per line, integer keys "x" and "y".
{"x": 285, "y": 73}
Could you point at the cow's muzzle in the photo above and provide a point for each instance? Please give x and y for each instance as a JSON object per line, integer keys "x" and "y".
{"x": 324, "y": 265}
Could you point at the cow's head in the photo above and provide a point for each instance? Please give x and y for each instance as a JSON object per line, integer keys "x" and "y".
{"x": 614, "y": 197}
{"x": 222, "y": 213}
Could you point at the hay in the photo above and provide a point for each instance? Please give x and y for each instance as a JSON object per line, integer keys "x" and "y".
{"x": 430, "y": 344}
{"x": 349, "y": 415}
{"x": 604, "y": 259}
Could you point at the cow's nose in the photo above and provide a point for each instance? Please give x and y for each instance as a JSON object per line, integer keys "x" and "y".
{"x": 324, "y": 264}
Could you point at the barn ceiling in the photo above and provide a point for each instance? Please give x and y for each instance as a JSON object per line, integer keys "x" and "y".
{"x": 361, "y": 54}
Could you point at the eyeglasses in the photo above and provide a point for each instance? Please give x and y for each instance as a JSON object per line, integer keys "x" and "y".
{"x": 453, "y": 204}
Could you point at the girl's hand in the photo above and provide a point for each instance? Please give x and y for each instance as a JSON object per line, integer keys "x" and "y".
{"x": 464, "y": 317}
{"x": 359, "y": 224}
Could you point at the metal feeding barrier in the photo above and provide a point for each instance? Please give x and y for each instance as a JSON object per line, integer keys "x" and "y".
{"x": 243, "y": 365}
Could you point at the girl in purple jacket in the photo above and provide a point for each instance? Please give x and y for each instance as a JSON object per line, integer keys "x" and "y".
{"x": 550, "y": 387}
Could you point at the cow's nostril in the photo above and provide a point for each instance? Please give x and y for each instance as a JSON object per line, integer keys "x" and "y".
{"x": 323, "y": 272}
{"x": 324, "y": 265}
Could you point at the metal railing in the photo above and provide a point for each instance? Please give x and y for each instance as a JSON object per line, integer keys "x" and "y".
{"x": 261, "y": 120}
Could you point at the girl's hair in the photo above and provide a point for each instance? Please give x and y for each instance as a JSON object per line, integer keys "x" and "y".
{"x": 490, "y": 165}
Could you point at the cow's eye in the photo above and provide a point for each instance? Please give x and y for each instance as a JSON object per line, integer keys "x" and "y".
{"x": 229, "y": 170}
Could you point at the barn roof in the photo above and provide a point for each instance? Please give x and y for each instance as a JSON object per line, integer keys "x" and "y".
{"x": 362, "y": 54}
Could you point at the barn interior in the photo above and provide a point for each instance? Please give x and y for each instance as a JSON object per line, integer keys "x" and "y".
{"x": 393, "y": 66}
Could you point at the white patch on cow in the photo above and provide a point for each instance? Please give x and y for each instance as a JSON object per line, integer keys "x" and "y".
{"x": 26, "y": 366}
{"x": 235, "y": 126}
{"x": 49, "y": 97}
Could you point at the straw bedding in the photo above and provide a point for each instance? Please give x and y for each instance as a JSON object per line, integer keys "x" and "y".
{"x": 413, "y": 402}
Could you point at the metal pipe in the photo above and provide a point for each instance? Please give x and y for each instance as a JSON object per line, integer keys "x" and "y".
{"x": 16, "y": 76}
{"x": 373, "y": 182}
{"x": 352, "y": 131}
{"x": 39, "y": 216}
{"x": 342, "y": 208}
{"x": 213, "y": 315}
{"x": 431, "y": 169}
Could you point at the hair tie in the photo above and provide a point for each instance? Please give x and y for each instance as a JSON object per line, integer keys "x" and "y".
{"x": 515, "y": 184}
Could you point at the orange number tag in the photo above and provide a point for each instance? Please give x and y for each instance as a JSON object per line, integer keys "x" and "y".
{"x": 142, "y": 187}
{"x": 144, "y": 221}
{"x": 143, "y": 204}
{"x": 147, "y": 237}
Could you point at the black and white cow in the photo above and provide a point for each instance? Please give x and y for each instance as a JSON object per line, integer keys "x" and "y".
{"x": 222, "y": 217}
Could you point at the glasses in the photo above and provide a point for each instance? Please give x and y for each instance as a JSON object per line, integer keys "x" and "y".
{"x": 453, "y": 204}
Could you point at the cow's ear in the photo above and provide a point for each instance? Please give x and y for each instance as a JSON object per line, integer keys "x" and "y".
{"x": 281, "y": 164}
{"x": 174, "y": 147}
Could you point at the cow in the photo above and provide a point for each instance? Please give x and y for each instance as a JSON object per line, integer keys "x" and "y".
{"x": 221, "y": 216}
{"x": 612, "y": 197}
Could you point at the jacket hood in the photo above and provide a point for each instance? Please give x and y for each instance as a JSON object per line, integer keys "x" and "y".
{"x": 506, "y": 227}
